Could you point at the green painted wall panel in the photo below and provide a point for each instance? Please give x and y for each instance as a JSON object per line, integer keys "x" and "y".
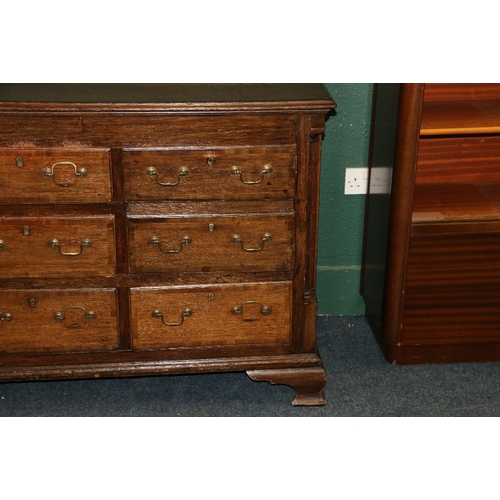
{"x": 341, "y": 217}
{"x": 338, "y": 290}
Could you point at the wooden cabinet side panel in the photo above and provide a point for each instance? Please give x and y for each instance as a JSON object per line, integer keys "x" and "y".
{"x": 407, "y": 140}
{"x": 394, "y": 143}
{"x": 309, "y": 133}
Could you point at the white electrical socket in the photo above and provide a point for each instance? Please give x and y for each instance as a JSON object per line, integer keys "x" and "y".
{"x": 356, "y": 180}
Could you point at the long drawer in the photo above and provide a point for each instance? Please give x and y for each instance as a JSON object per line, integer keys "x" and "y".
{"x": 60, "y": 175}
{"x": 57, "y": 246}
{"x": 238, "y": 173}
{"x": 241, "y": 242}
{"x": 213, "y": 315}
{"x": 37, "y": 321}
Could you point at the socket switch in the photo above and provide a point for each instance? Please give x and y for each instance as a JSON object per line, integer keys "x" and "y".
{"x": 356, "y": 180}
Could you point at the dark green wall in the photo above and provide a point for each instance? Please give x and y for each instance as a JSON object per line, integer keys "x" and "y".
{"x": 346, "y": 144}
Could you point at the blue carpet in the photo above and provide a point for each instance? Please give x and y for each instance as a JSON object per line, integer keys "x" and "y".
{"x": 360, "y": 384}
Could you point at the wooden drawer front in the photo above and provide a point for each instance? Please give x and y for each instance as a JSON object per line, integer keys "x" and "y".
{"x": 239, "y": 243}
{"x": 58, "y": 320}
{"x": 55, "y": 175}
{"x": 452, "y": 289}
{"x": 241, "y": 173}
{"x": 211, "y": 315}
{"x": 57, "y": 246}
{"x": 461, "y": 160}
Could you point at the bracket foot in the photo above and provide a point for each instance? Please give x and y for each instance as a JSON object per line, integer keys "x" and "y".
{"x": 307, "y": 382}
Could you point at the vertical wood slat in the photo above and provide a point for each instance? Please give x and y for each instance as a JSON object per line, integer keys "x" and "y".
{"x": 310, "y": 132}
{"x": 401, "y": 208}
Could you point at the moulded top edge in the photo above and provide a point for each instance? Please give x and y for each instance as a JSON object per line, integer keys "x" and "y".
{"x": 164, "y": 97}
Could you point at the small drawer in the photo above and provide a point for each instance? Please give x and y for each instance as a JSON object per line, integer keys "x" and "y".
{"x": 239, "y": 243}
{"x": 62, "y": 175}
{"x": 240, "y": 173}
{"x": 221, "y": 315}
{"x": 38, "y": 321}
{"x": 33, "y": 247}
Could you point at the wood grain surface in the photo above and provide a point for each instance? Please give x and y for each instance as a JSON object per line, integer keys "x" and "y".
{"x": 212, "y": 321}
{"x": 236, "y": 228}
{"x": 227, "y": 174}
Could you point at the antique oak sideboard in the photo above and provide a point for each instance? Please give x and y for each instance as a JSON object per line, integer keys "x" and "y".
{"x": 161, "y": 229}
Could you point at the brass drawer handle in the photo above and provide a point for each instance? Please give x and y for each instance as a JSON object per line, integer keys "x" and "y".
{"x": 6, "y": 316}
{"x": 85, "y": 243}
{"x": 185, "y": 314}
{"x": 265, "y": 310}
{"x": 60, "y": 315}
{"x": 265, "y": 237}
{"x": 267, "y": 170}
{"x": 2, "y": 244}
{"x": 155, "y": 241}
{"x": 79, "y": 171}
{"x": 183, "y": 172}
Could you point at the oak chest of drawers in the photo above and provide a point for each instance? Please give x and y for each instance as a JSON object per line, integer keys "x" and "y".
{"x": 155, "y": 229}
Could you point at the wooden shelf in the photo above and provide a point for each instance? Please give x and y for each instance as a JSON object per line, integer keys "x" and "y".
{"x": 463, "y": 92}
{"x": 456, "y": 202}
{"x": 458, "y": 118}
